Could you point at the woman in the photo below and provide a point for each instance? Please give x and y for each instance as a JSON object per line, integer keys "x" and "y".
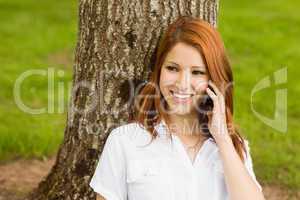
{"x": 183, "y": 143}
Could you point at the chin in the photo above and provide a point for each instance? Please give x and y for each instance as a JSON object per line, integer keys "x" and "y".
{"x": 175, "y": 110}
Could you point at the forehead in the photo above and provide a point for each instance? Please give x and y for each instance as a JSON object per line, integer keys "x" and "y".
{"x": 185, "y": 55}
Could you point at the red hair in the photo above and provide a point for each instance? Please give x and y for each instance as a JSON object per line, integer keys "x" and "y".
{"x": 205, "y": 38}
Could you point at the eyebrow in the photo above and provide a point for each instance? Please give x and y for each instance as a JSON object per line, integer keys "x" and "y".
{"x": 203, "y": 67}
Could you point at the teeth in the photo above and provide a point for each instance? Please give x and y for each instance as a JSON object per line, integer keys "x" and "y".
{"x": 182, "y": 95}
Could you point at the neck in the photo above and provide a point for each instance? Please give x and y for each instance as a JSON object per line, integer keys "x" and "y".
{"x": 184, "y": 125}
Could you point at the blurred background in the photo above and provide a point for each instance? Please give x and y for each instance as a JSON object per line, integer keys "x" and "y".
{"x": 262, "y": 38}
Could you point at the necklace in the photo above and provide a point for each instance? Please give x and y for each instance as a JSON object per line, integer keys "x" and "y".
{"x": 192, "y": 147}
{"x": 188, "y": 148}
{"x": 192, "y": 154}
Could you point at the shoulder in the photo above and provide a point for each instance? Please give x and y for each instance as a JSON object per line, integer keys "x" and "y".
{"x": 247, "y": 146}
{"x": 129, "y": 132}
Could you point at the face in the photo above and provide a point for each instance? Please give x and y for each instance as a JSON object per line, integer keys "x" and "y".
{"x": 183, "y": 79}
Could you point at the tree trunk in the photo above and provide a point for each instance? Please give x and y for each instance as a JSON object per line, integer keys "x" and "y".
{"x": 115, "y": 50}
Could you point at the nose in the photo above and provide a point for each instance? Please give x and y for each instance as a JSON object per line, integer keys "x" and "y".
{"x": 183, "y": 81}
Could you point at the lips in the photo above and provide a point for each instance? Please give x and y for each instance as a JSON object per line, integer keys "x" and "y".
{"x": 181, "y": 97}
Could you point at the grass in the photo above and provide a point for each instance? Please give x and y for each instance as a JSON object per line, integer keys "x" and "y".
{"x": 261, "y": 37}
{"x": 34, "y": 36}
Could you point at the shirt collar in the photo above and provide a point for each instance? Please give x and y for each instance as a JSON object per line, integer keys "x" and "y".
{"x": 161, "y": 128}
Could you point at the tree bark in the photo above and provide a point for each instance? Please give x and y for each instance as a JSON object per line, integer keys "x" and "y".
{"x": 115, "y": 50}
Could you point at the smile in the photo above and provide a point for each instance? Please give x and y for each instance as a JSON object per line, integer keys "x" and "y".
{"x": 181, "y": 98}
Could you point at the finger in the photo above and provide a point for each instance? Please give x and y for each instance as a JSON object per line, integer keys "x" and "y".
{"x": 211, "y": 94}
{"x": 219, "y": 95}
{"x": 223, "y": 104}
{"x": 219, "y": 103}
{"x": 215, "y": 88}
{"x": 214, "y": 98}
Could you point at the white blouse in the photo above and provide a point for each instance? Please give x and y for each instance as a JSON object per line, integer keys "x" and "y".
{"x": 129, "y": 169}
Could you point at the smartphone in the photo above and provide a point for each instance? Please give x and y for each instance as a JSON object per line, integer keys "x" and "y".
{"x": 207, "y": 103}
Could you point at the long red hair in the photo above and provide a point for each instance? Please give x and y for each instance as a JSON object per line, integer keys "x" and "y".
{"x": 204, "y": 37}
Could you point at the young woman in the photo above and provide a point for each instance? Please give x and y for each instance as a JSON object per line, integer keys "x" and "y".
{"x": 183, "y": 144}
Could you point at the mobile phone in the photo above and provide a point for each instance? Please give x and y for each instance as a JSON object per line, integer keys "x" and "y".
{"x": 206, "y": 103}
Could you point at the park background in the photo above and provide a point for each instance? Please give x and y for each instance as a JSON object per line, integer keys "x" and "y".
{"x": 261, "y": 37}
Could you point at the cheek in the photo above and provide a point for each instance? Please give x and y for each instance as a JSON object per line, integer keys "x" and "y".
{"x": 163, "y": 83}
{"x": 167, "y": 79}
{"x": 201, "y": 85}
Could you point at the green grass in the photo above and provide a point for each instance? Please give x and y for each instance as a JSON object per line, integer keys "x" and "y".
{"x": 34, "y": 35}
{"x": 261, "y": 38}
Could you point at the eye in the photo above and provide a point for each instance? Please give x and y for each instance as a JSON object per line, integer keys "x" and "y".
{"x": 197, "y": 72}
{"x": 172, "y": 68}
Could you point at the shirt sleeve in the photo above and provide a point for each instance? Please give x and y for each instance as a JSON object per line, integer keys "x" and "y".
{"x": 249, "y": 165}
{"x": 109, "y": 177}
